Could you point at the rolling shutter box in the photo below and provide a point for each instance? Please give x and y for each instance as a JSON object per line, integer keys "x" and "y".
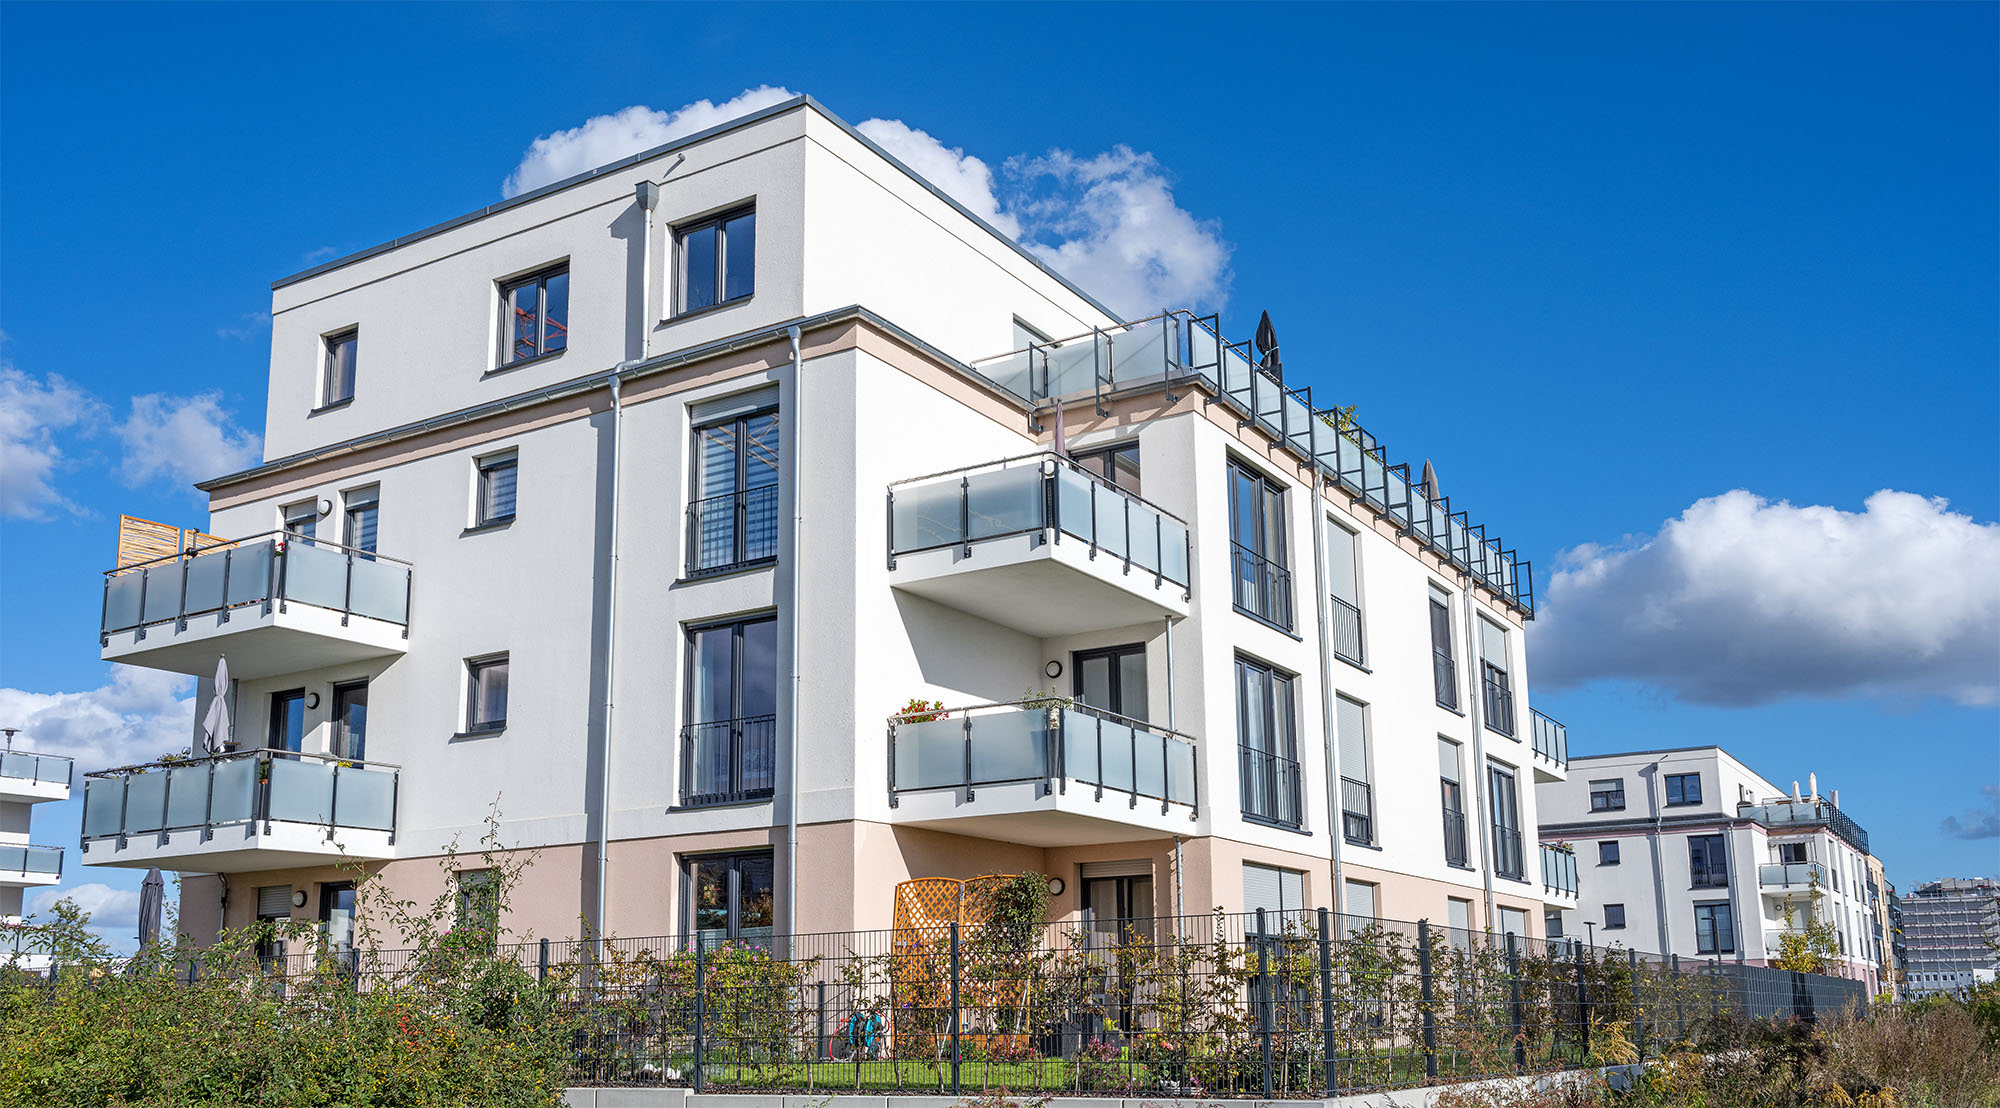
{"x": 1136, "y": 867}
{"x": 1493, "y": 643}
{"x": 274, "y": 901}
{"x": 729, "y": 407}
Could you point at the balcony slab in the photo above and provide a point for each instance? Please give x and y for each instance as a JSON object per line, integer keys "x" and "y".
{"x": 1041, "y": 584}
{"x": 259, "y": 643}
{"x": 239, "y": 848}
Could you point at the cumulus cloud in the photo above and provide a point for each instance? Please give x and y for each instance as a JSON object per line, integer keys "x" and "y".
{"x": 1980, "y": 823}
{"x": 1108, "y": 222}
{"x": 603, "y": 139}
{"x": 185, "y": 438}
{"x": 1742, "y": 601}
{"x": 31, "y": 412}
{"x": 110, "y": 909}
{"x": 140, "y": 715}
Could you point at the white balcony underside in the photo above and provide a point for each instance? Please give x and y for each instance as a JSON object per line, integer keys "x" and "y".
{"x": 240, "y": 848}
{"x": 1041, "y": 588}
{"x": 20, "y": 879}
{"x": 1018, "y": 813}
{"x": 15, "y": 790}
{"x": 259, "y": 644}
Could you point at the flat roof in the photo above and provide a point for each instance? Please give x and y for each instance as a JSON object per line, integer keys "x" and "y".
{"x": 796, "y": 103}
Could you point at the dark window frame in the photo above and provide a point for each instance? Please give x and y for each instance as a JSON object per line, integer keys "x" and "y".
{"x": 1268, "y": 552}
{"x": 474, "y": 669}
{"x": 1444, "y": 660}
{"x": 1509, "y": 854}
{"x": 1708, "y": 861}
{"x": 343, "y": 692}
{"x": 736, "y": 719}
{"x": 540, "y": 280}
{"x": 719, "y": 223}
{"x": 272, "y": 739}
{"x": 1723, "y": 938}
{"x": 1677, "y": 791}
{"x": 1616, "y": 850}
{"x": 353, "y": 502}
{"x": 485, "y": 468}
{"x": 733, "y": 929}
{"x": 1608, "y": 910}
{"x": 1116, "y": 682}
{"x": 1282, "y": 731}
{"x": 1102, "y": 461}
{"x": 330, "y": 345}
{"x": 1618, "y": 793}
{"x": 740, "y": 547}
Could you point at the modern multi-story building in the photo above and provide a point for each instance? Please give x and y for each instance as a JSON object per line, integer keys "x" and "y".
{"x": 752, "y": 528}
{"x": 1691, "y": 852}
{"x": 1951, "y": 932}
{"x": 1881, "y": 894}
{"x": 26, "y": 779}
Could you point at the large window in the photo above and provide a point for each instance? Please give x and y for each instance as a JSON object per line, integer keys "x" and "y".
{"x": 337, "y": 376}
{"x": 1683, "y": 788}
{"x": 288, "y": 721}
{"x": 1451, "y": 786}
{"x": 486, "y": 693}
{"x": 534, "y": 316}
{"x": 1116, "y": 464}
{"x": 1263, "y": 586}
{"x": 494, "y": 501}
{"x": 1714, "y": 929}
{"x": 1268, "y": 754}
{"x": 350, "y": 720}
{"x": 1607, "y": 796}
{"x": 1281, "y": 893}
{"x": 728, "y": 747}
{"x": 1444, "y": 668}
{"x": 1504, "y": 796}
{"x": 733, "y": 516}
{"x": 731, "y": 897}
{"x": 1112, "y": 679}
{"x": 718, "y": 260}
{"x": 302, "y": 519}
{"x": 1792, "y": 853}
{"x": 1494, "y": 677}
{"x": 1357, "y": 794}
{"x": 1708, "y": 861}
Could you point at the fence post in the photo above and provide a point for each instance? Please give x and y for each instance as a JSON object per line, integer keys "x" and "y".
{"x": 1327, "y": 1048}
{"x": 1261, "y": 997}
{"x": 1430, "y": 1014}
{"x": 1582, "y": 1005}
{"x": 954, "y": 1008}
{"x": 1514, "y": 1014}
{"x": 542, "y": 963}
{"x": 1715, "y": 993}
{"x": 1680, "y": 1014}
{"x": 700, "y": 1006}
{"x": 820, "y": 1050}
{"x": 1638, "y": 1011}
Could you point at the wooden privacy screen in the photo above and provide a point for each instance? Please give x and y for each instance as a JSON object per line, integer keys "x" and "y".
{"x": 142, "y": 540}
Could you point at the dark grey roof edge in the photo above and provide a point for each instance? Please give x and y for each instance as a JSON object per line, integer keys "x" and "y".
{"x": 1575, "y": 758}
{"x": 600, "y": 379}
{"x": 801, "y": 101}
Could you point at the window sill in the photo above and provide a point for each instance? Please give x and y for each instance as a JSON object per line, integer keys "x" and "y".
{"x": 482, "y": 733}
{"x": 481, "y": 529}
{"x": 1452, "y": 708}
{"x": 333, "y": 407}
{"x": 710, "y": 806}
{"x": 1682, "y": 804}
{"x": 735, "y": 570}
{"x": 1357, "y": 665}
{"x": 549, "y": 356}
{"x": 1520, "y": 880}
{"x": 1503, "y": 734}
{"x": 1274, "y": 824}
{"x": 1255, "y": 618}
{"x": 710, "y": 310}
{"x": 1460, "y": 866}
{"x": 1376, "y": 847}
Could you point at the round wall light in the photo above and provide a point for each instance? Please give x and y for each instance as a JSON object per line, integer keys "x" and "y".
{"x": 1053, "y": 669}
{"x": 1056, "y": 885}
{"x": 299, "y": 899}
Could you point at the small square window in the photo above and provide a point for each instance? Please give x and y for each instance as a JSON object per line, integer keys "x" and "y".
{"x": 1607, "y": 854}
{"x": 486, "y": 693}
{"x": 1614, "y": 917}
{"x": 1607, "y": 796}
{"x": 1683, "y": 788}
{"x": 534, "y": 315}
{"x": 302, "y": 519}
{"x": 495, "y": 499}
{"x": 717, "y": 259}
{"x": 337, "y": 382}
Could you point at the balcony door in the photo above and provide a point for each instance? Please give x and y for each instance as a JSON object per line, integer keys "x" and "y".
{"x": 729, "y": 744}
{"x": 288, "y": 721}
{"x": 350, "y": 720}
{"x": 733, "y": 509}
{"x": 1112, "y": 679}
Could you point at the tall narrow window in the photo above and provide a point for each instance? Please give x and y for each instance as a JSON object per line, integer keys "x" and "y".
{"x": 350, "y": 720}
{"x": 731, "y": 896}
{"x": 288, "y": 721}
{"x": 337, "y": 380}
{"x": 534, "y": 314}
{"x": 1263, "y": 586}
{"x": 1343, "y": 575}
{"x": 1493, "y": 669}
{"x": 1444, "y": 668}
{"x": 718, "y": 260}
{"x": 336, "y": 916}
{"x": 1458, "y": 922}
{"x": 1708, "y": 861}
{"x": 1451, "y": 786}
{"x": 1357, "y": 795}
{"x": 1714, "y": 929}
{"x": 733, "y": 514}
{"x": 1267, "y": 754}
{"x": 728, "y": 746}
{"x": 1358, "y": 906}
{"x": 486, "y": 693}
{"x": 363, "y": 507}
{"x": 479, "y": 903}
{"x": 1504, "y": 798}
{"x": 496, "y": 490}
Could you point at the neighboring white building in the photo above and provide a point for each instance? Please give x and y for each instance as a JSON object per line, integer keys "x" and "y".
{"x": 26, "y": 779}
{"x": 641, "y": 505}
{"x": 1691, "y": 852}
{"x": 1951, "y": 935}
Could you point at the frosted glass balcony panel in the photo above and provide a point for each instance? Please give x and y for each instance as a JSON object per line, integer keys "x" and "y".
{"x": 187, "y": 795}
{"x": 1073, "y": 367}
{"x": 365, "y": 798}
{"x": 233, "y": 798}
{"x": 1111, "y": 523}
{"x": 316, "y": 575}
{"x": 1009, "y": 746}
{"x": 102, "y": 797}
{"x": 1073, "y": 502}
{"x": 1145, "y": 539}
{"x": 928, "y": 515}
{"x": 1180, "y": 772}
{"x": 1117, "y": 756}
{"x": 121, "y": 601}
{"x": 381, "y": 590}
{"x": 145, "y": 801}
{"x": 1005, "y": 501}
{"x": 163, "y": 592}
{"x": 42, "y": 859}
{"x": 250, "y": 573}
{"x": 204, "y": 582}
{"x": 1173, "y": 552}
{"x": 1150, "y": 764}
{"x": 1080, "y": 757}
{"x": 1139, "y": 353}
{"x": 930, "y": 755}
{"x": 301, "y": 792}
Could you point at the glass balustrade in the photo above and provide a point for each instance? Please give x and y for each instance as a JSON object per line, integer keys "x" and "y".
{"x": 41, "y": 769}
{"x": 1786, "y": 874}
{"x": 1558, "y": 870}
{"x": 266, "y": 569}
{"x": 1055, "y": 743}
{"x": 1550, "y": 738}
{"x": 251, "y": 786}
{"x": 33, "y": 861}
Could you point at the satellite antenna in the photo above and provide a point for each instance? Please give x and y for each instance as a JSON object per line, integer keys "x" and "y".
{"x": 1267, "y": 348}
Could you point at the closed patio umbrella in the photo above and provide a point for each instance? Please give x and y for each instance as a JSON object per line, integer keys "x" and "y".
{"x": 215, "y": 725}
{"x": 152, "y": 897}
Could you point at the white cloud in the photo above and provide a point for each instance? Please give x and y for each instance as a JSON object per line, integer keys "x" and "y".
{"x": 31, "y": 412}
{"x": 140, "y": 715}
{"x": 184, "y": 438}
{"x": 255, "y": 325}
{"x": 1980, "y": 823}
{"x": 606, "y": 138}
{"x": 1742, "y": 601}
{"x": 110, "y": 909}
{"x": 961, "y": 176}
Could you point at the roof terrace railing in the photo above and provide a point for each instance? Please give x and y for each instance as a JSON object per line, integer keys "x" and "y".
{"x": 271, "y": 567}
{"x": 22, "y": 765}
{"x": 1178, "y": 346}
{"x": 1786, "y": 813}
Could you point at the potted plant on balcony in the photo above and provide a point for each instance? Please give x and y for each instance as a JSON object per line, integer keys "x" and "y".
{"x": 1049, "y": 701}
{"x": 919, "y": 710}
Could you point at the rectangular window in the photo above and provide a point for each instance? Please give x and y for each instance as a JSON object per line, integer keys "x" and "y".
{"x": 1343, "y": 574}
{"x": 1112, "y": 679}
{"x": 1357, "y": 800}
{"x": 1514, "y": 921}
{"x": 718, "y": 260}
{"x": 1708, "y": 861}
{"x": 1714, "y": 929}
{"x": 534, "y": 314}
{"x": 729, "y": 744}
{"x": 1263, "y": 586}
{"x": 731, "y": 897}
{"x": 350, "y": 720}
{"x": 1683, "y": 788}
{"x": 288, "y": 721}
{"x": 1552, "y": 920}
{"x": 1607, "y": 796}
{"x": 486, "y": 693}
{"x": 495, "y": 499}
{"x": 336, "y": 916}
{"x": 1452, "y": 789}
{"x": 337, "y": 378}
{"x": 302, "y": 520}
{"x": 1614, "y": 917}
{"x": 1493, "y": 667}
{"x": 1267, "y": 754}
{"x": 1444, "y": 668}
{"x": 363, "y": 506}
{"x": 1607, "y": 854}
{"x": 1458, "y": 918}
{"x": 274, "y": 910}
{"x": 1116, "y": 464}
{"x": 1504, "y": 797}
{"x": 1792, "y": 853}
{"x": 479, "y": 903}
{"x": 1358, "y": 907}
{"x": 733, "y": 511}
{"x": 1281, "y": 893}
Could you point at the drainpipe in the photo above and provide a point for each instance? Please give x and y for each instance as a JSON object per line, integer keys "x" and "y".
{"x": 1474, "y": 692}
{"x": 1334, "y": 831}
{"x": 796, "y": 564}
{"x": 649, "y": 197}
{"x": 610, "y": 658}
{"x": 1180, "y": 908}
{"x": 1651, "y": 774}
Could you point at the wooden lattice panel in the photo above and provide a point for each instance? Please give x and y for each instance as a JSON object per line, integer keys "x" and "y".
{"x": 925, "y": 910}
{"x": 143, "y": 540}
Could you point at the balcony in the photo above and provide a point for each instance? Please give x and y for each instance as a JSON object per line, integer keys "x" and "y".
{"x": 1039, "y": 545}
{"x": 33, "y": 778}
{"x": 734, "y": 531}
{"x": 1550, "y": 741}
{"x": 1785, "y": 814}
{"x": 1043, "y": 773}
{"x": 250, "y": 810}
{"x": 1558, "y": 875}
{"x": 1778, "y": 877}
{"x": 27, "y": 864}
{"x": 274, "y": 602}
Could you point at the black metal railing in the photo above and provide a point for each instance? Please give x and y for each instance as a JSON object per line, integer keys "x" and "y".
{"x": 1550, "y": 738}
{"x": 1499, "y": 703}
{"x": 1507, "y": 852}
{"x": 1357, "y": 811}
{"x": 240, "y": 788}
{"x": 1785, "y": 812}
{"x": 272, "y": 568}
{"x": 728, "y": 761}
{"x": 1270, "y": 787}
{"x": 1455, "y": 845}
{"x": 1345, "y": 631}
{"x": 732, "y": 531}
{"x": 1444, "y": 675}
{"x": 1262, "y": 587}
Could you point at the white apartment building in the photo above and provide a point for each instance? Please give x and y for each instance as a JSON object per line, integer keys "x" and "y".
{"x": 26, "y": 779}
{"x": 1691, "y": 852}
{"x": 753, "y": 528}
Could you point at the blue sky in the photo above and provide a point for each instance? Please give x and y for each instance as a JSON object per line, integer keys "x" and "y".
{"x": 1598, "y": 262}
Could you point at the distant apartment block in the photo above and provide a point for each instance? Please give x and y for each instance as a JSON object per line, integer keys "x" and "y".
{"x": 1951, "y": 932}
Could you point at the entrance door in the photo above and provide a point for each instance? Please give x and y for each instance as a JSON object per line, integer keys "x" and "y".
{"x": 350, "y": 720}
{"x": 1121, "y": 911}
{"x": 1113, "y": 679}
{"x": 288, "y": 720}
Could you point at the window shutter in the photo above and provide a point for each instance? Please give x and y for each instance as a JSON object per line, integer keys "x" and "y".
{"x": 1261, "y": 890}
{"x": 1493, "y": 643}
{"x": 1459, "y": 915}
{"x": 273, "y": 901}
{"x": 1353, "y": 739}
{"x": 729, "y": 407}
{"x": 1136, "y": 867}
{"x": 1359, "y": 900}
{"x": 1291, "y": 891}
{"x": 1448, "y": 760}
{"x": 1340, "y": 565}
{"x": 1513, "y": 921}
